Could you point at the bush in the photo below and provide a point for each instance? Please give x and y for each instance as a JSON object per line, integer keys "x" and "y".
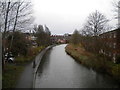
{"x": 19, "y": 43}
{"x": 118, "y": 60}
{"x": 30, "y": 55}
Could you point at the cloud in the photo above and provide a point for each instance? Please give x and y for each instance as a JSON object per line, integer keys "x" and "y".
{"x": 63, "y": 16}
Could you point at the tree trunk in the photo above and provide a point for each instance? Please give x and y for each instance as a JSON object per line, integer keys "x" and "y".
{"x": 4, "y": 34}
{"x": 15, "y": 25}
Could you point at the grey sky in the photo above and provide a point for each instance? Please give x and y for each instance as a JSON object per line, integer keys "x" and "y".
{"x": 64, "y": 16}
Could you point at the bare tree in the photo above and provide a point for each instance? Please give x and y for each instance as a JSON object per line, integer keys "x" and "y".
{"x": 116, "y": 5}
{"x": 14, "y": 16}
{"x": 5, "y": 26}
{"x": 22, "y": 17}
{"x": 47, "y": 30}
{"x": 96, "y": 23}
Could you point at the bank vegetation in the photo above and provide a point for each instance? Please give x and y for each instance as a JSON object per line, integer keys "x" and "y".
{"x": 85, "y": 46}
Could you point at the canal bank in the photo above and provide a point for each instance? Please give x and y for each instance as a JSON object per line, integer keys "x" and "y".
{"x": 27, "y": 77}
{"x": 59, "y": 70}
{"x": 37, "y": 62}
{"x": 96, "y": 62}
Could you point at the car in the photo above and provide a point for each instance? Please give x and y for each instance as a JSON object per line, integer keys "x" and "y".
{"x": 9, "y": 57}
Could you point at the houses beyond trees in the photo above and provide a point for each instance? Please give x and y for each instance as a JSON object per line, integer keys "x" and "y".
{"x": 60, "y": 39}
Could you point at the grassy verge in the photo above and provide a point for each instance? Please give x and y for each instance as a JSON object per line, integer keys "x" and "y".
{"x": 97, "y": 62}
{"x": 11, "y": 74}
{"x": 13, "y": 71}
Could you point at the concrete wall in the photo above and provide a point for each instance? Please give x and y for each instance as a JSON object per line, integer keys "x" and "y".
{"x": 38, "y": 60}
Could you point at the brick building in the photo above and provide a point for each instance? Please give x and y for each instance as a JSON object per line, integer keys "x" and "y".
{"x": 111, "y": 45}
{"x": 60, "y": 38}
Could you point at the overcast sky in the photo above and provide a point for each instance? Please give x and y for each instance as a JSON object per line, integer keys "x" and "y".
{"x": 64, "y": 16}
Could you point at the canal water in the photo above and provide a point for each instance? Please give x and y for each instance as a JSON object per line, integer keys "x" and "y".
{"x": 59, "y": 70}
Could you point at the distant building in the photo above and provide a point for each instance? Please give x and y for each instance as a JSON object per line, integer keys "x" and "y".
{"x": 60, "y": 38}
{"x": 31, "y": 38}
{"x": 111, "y": 45}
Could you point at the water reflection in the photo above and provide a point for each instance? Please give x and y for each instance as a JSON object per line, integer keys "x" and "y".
{"x": 44, "y": 64}
{"x": 59, "y": 70}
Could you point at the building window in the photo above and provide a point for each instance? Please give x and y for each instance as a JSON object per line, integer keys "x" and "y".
{"x": 114, "y": 35}
{"x": 114, "y": 45}
{"x": 101, "y": 51}
{"x": 114, "y": 58}
{"x": 109, "y": 54}
{"x": 110, "y": 35}
{"x": 110, "y": 45}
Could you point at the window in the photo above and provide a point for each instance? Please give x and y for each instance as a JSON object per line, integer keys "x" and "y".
{"x": 110, "y": 35}
{"x": 110, "y": 45}
{"x": 114, "y": 58}
{"x": 101, "y": 51}
{"x": 114, "y": 35}
{"x": 114, "y": 45}
{"x": 109, "y": 54}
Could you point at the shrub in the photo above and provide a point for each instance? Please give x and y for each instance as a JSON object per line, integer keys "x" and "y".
{"x": 118, "y": 60}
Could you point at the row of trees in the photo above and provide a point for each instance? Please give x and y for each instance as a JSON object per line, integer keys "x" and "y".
{"x": 20, "y": 45}
{"x": 15, "y": 16}
{"x": 15, "y": 19}
{"x": 95, "y": 25}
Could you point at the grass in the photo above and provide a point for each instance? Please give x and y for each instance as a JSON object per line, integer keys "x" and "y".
{"x": 13, "y": 71}
{"x": 11, "y": 74}
{"x": 97, "y": 62}
{"x": 23, "y": 59}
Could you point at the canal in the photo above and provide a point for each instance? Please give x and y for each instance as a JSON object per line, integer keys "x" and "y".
{"x": 59, "y": 70}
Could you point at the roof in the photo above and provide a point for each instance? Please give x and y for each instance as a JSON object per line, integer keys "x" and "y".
{"x": 110, "y": 31}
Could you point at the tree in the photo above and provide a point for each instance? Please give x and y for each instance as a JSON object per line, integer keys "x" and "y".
{"x": 21, "y": 13}
{"x": 43, "y": 36}
{"x": 14, "y": 16}
{"x": 116, "y": 5}
{"x": 20, "y": 44}
{"x": 47, "y": 30}
{"x": 48, "y": 34}
{"x": 96, "y": 23}
{"x": 40, "y": 34}
{"x": 75, "y": 39}
{"x": 6, "y": 18}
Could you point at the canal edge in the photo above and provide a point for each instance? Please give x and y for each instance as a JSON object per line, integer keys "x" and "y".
{"x": 37, "y": 62}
